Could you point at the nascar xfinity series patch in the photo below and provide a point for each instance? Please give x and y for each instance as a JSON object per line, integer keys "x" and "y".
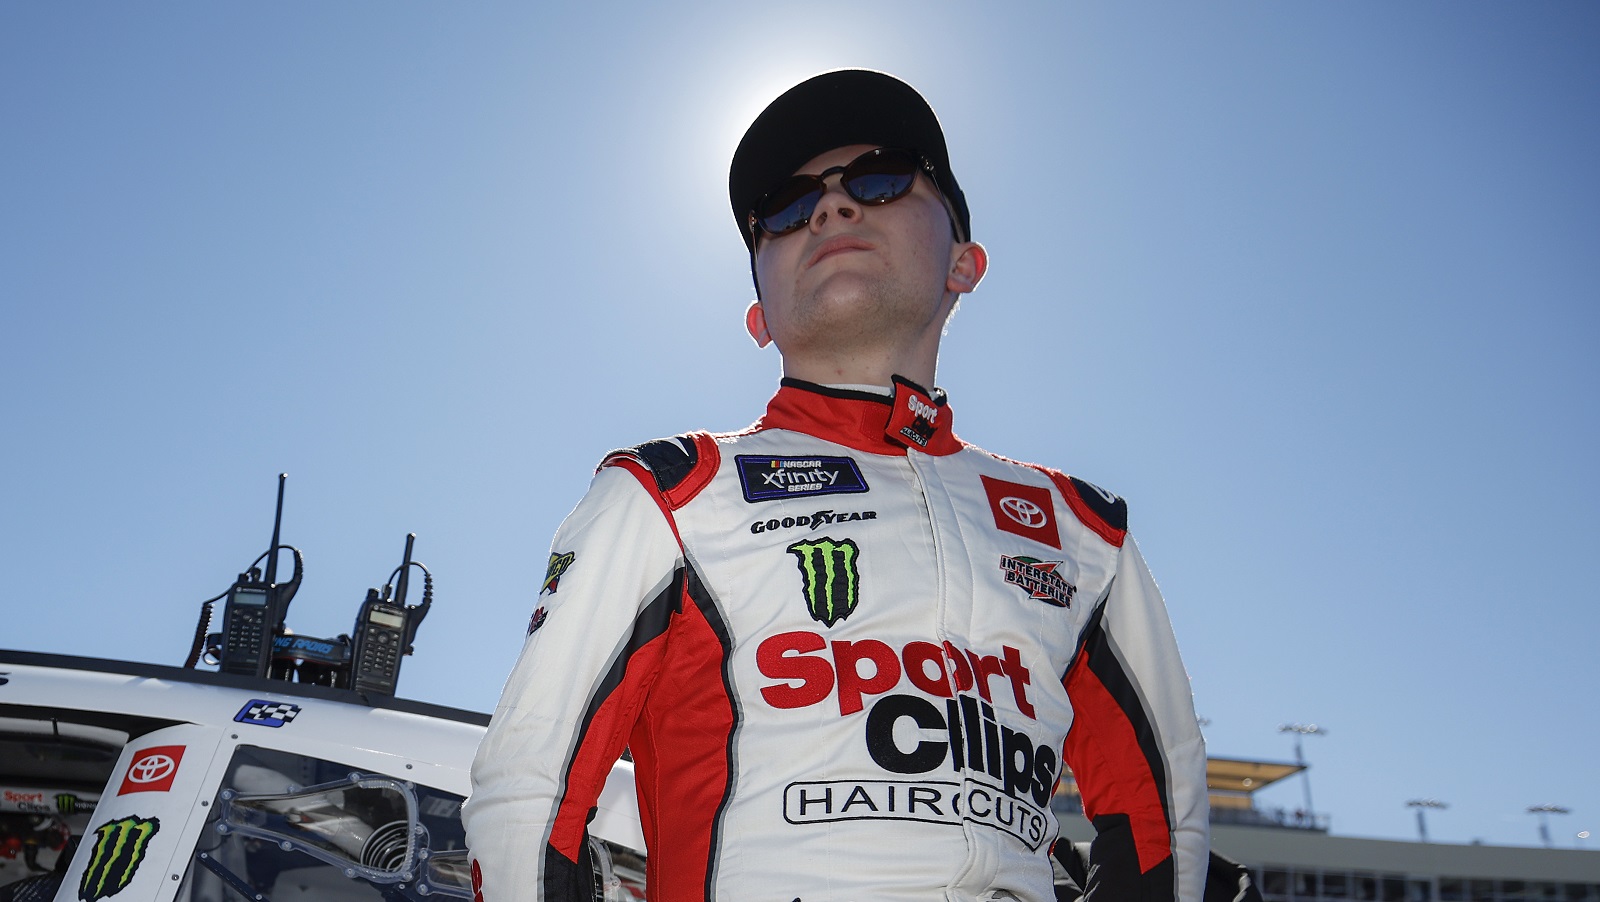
{"x": 768, "y": 478}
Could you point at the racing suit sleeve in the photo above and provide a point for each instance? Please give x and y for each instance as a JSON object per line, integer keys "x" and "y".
{"x": 1135, "y": 746}
{"x": 594, "y": 648}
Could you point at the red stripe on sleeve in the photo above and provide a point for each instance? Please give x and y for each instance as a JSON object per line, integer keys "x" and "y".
{"x": 1113, "y": 776}
{"x": 604, "y": 738}
{"x": 681, "y": 751}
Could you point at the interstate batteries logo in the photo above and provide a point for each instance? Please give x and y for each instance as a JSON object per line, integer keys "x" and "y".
{"x": 767, "y": 478}
{"x": 119, "y": 849}
{"x": 828, "y": 573}
{"x": 1039, "y": 579}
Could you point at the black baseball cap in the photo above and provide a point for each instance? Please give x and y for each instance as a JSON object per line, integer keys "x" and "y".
{"x": 831, "y": 110}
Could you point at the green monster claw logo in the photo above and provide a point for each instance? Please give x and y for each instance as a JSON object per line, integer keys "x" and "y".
{"x": 832, "y": 583}
{"x": 119, "y": 848}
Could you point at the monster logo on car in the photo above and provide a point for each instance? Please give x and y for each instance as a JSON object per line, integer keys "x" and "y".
{"x": 119, "y": 848}
{"x": 831, "y": 582}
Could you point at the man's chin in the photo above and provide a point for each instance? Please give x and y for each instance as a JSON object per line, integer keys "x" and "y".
{"x": 843, "y": 288}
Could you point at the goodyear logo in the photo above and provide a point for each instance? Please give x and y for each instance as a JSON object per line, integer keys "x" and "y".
{"x": 119, "y": 849}
{"x": 830, "y": 578}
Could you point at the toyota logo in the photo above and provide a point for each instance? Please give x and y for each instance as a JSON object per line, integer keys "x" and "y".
{"x": 151, "y": 768}
{"x": 1023, "y": 511}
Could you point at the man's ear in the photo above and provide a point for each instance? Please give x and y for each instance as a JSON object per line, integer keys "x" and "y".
{"x": 968, "y": 264}
{"x": 755, "y": 322}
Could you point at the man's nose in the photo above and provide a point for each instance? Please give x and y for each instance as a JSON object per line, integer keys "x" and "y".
{"x": 835, "y": 201}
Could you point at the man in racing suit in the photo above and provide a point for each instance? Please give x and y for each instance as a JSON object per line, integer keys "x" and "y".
{"x": 850, "y": 653}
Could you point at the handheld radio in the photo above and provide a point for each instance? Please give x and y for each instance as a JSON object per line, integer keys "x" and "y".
{"x": 255, "y": 642}
{"x": 256, "y": 605}
{"x": 385, "y": 628}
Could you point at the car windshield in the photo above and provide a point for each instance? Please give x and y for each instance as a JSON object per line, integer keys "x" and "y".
{"x": 288, "y": 827}
{"x": 285, "y": 827}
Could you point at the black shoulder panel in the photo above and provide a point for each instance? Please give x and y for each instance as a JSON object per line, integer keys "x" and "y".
{"x": 1105, "y": 505}
{"x": 669, "y": 460}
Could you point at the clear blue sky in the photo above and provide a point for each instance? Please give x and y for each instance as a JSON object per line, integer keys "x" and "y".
{"x": 1314, "y": 285}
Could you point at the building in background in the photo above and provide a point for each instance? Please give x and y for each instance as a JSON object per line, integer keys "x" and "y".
{"x": 1294, "y": 858}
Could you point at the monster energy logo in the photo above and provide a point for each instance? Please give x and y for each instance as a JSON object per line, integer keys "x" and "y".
{"x": 119, "y": 847}
{"x": 832, "y": 583}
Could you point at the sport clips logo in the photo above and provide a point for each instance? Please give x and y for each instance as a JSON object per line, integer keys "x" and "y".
{"x": 913, "y": 418}
{"x": 949, "y": 696}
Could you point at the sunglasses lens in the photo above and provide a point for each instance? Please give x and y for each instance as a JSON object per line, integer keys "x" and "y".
{"x": 881, "y": 176}
{"x": 789, "y": 207}
{"x": 876, "y": 177}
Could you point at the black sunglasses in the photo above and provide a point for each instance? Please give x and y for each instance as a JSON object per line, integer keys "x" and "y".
{"x": 879, "y": 176}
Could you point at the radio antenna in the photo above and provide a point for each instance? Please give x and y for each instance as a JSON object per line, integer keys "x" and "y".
{"x": 277, "y": 523}
{"x": 405, "y": 571}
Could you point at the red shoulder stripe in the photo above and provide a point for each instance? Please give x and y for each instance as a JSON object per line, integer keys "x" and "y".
{"x": 1080, "y": 507}
{"x": 707, "y": 462}
{"x": 642, "y": 473}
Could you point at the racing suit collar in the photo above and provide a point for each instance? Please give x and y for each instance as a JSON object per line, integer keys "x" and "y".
{"x": 878, "y": 424}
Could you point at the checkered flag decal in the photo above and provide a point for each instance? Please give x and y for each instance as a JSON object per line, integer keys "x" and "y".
{"x": 274, "y": 711}
{"x": 267, "y": 713}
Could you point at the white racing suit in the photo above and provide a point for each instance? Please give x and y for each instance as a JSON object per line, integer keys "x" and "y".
{"x": 850, "y": 655}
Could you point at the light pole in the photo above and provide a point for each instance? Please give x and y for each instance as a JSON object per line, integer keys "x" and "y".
{"x": 1299, "y": 730}
{"x": 1419, "y": 804}
{"x": 1544, "y": 812}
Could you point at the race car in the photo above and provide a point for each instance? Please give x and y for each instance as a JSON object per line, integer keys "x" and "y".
{"x": 149, "y": 782}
